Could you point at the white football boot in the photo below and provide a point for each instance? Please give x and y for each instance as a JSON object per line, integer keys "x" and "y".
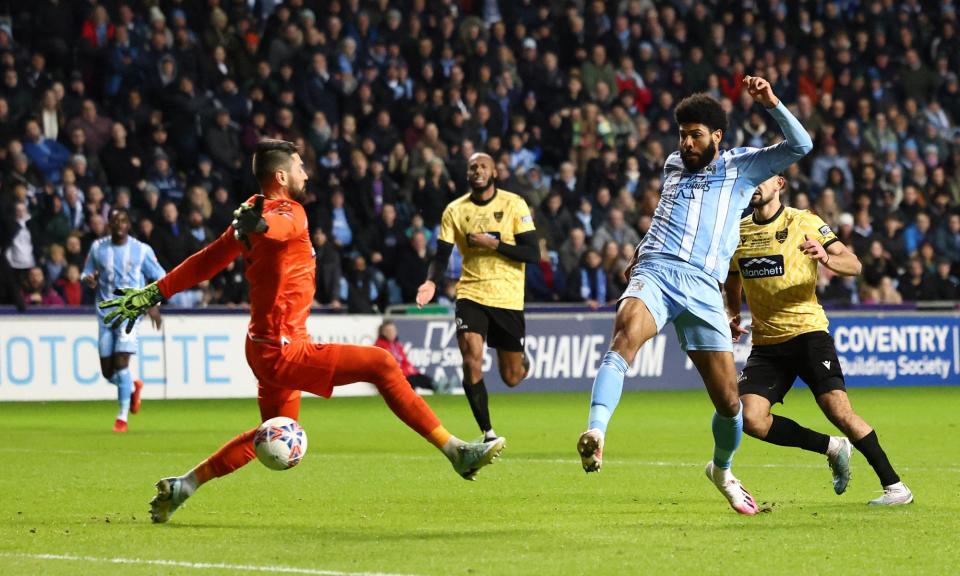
{"x": 472, "y": 456}
{"x": 731, "y": 488}
{"x": 894, "y": 495}
{"x": 590, "y": 447}
{"x": 170, "y": 495}
{"x": 839, "y": 462}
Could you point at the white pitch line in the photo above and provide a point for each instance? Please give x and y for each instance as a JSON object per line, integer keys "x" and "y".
{"x": 193, "y": 565}
{"x": 508, "y": 459}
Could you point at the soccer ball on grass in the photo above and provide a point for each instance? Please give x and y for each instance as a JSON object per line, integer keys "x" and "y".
{"x": 280, "y": 443}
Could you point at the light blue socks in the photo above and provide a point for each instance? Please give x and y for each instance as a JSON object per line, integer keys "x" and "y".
{"x": 727, "y": 432}
{"x": 607, "y": 387}
{"x": 124, "y": 383}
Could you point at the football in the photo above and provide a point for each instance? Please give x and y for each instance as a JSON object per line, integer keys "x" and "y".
{"x": 280, "y": 443}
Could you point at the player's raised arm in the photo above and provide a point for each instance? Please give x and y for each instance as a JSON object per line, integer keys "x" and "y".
{"x": 758, "y": 165}
{"x": 201, "y": 266}
{"x": 204, "y": 265}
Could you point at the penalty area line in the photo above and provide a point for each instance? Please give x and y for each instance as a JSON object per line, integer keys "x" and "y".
{"x": 192, "y": 565}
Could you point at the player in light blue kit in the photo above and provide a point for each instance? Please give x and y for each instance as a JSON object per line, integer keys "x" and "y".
{"x": 680, "y": 264}
{"x": 120, "y": 261}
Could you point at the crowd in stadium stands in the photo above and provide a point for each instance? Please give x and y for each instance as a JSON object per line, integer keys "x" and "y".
{"x": 155, "y": 106}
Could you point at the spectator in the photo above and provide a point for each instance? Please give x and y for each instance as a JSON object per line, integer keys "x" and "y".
{"x": 414, "y": 261}
{"x": 917, "y": 233}
{"x": 200, "y": 234}
{"x": 589, "y": 282}
{"x": 383, "y": 242}
{"x": 222, "y": 141}
{"x": 171, "y": 241}
{"x": 36, "y": 292}
{"x": 162, "y": 177}
{"x": 387, "y": 339}
{"x": 221, "y": 210}
{"x": 615, "y": 229}
{"x": 546, "y": 280}
{"x": 49, "y": 156}
{"x": 553, "y": 221}
{"x": 914, "y": 284}
{"x": 69, "y": 287}
{"x": 96, "y": 129}
{"x": 877, "y": 265}
{"x": 328, "y": 270}
{"x": 228, "y": 286}
{"x": 830, "y": 158}
{"x": 56, "y": 262}
{"x": 73, "y": 248}
{"x": 946, "y": 284}
{"x": 20, "y": 253}
{"x": 362, "y": 291}
{"x": 338, "y": 222}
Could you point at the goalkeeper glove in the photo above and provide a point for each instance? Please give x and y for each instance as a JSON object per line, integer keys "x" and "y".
{"x": 248, "y": 219}
{"x": 130, "y": 305}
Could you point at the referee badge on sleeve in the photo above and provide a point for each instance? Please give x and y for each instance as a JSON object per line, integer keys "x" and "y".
{"x": 825, "y": 230}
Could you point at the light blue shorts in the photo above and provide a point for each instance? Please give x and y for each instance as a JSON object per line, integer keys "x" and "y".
{"x": 117, "y": 340}
{"x": 675, "y": 291}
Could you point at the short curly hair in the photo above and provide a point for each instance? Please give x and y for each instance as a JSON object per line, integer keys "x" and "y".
{"x": 701, "y": 109}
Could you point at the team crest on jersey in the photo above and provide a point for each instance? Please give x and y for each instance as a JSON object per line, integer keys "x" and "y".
{"x": 781, "y": 235}
{"x": 498, "y": 216}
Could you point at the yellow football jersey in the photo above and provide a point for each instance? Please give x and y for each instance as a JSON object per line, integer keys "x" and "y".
{"x": 779, "y": 280}
{"x": 488, "y": 278}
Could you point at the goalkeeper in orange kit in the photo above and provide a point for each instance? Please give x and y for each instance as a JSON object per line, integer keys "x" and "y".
{"x": 271, "y": 233}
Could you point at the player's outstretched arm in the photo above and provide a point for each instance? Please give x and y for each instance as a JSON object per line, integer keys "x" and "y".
{"x": 774, "y": 159}
{"x": 438, "y": 268}
{"x": 203, "y": 265}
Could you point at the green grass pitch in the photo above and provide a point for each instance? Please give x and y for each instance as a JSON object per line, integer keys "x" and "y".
{"x": 372, "y": 497}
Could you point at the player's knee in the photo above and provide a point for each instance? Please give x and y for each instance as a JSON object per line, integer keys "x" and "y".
{"x": 728, "y": 406}
{"x": 472, "y": 368}
{"x": 381, "y": 363}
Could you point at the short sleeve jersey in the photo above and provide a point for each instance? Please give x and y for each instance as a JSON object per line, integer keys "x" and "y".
{"x": 488, "y": 278}
{"x": 779, "y": 280}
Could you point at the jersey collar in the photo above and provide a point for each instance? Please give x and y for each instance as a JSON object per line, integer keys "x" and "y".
{"x": 485, "y": 202}
{"x": 765, "y": 222}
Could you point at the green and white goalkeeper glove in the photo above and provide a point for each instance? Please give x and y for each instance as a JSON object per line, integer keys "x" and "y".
{"x": 131, "y": 304}
{"x": 248, "y": 219}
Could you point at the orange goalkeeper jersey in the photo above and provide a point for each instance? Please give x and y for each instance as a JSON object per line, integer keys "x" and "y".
{"x": 280, "y": 269}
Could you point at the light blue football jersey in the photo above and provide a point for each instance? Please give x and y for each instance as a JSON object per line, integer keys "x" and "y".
{"x": 698, "y": 217}
{"x": 128, "y": 265}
